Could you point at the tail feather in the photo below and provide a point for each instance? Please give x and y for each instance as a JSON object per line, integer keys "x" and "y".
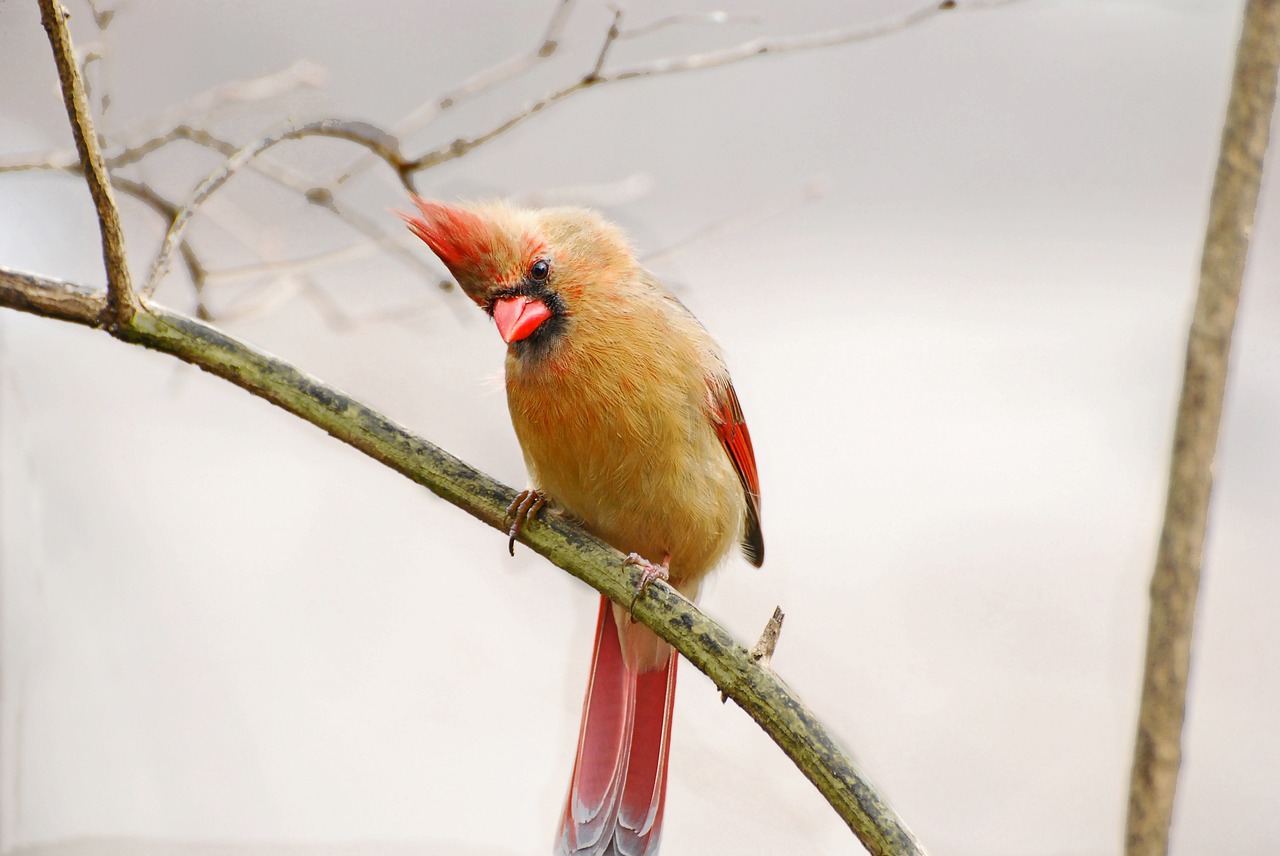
{"x": 618, "y": 789}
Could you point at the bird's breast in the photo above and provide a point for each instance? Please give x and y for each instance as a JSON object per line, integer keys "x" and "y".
{"x": 622, "y": 441}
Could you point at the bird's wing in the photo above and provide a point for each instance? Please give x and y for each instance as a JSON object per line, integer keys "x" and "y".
{"x": 731, "y": 428}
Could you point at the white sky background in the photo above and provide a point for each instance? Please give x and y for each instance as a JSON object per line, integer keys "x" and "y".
{"x": 960, "y": 365}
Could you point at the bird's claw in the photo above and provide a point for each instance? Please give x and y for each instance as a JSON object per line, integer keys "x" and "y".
{"x": 651, "y": 572}
{"x": 524, "y": 507}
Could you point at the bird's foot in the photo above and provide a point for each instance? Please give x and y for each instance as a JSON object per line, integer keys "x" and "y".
{"x": 524, "y": 507}
{"x": 651, "y": 572}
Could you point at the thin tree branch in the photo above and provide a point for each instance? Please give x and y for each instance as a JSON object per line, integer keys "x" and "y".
{"x": 196, "y": 270}
{"x": 1174, "y": 585}
{"x": 288, "y": 267}
{"x": 610, "y": 36}
{"x": 715, "y": 18}
{"x": 300, "y": 74}
{"x": 473, "y": 86}
{"x": 385, "y": 147}
{"x": 377, "y": 141}
{"x": 691, "y": 62}
{"x": 707, "y": 645}
{"x": 121, "y": 302}
{"x": 809, "y": 191}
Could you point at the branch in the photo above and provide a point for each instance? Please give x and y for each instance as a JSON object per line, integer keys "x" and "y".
{"x": 692, "y": 62}
{"x": 707, "y": 645}
{"x": 300, "y": 74}
{"x": 372, "y": 138}
{"x": 715, "y": 18}
{"x": 51, "y": 298}
{"x": 385, "y": 147}
{"x": 810, "y": 191}
{"x": 473, "y": 86}
{"x": 196, "y": 270}
{"x": 121, "y": 302}
{"x": 1158, "y": 749}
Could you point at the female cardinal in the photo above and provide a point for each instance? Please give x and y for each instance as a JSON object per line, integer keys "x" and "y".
{"x": 628, "y": 422}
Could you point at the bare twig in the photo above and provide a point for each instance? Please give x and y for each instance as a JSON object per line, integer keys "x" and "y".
{"x": 473, "y": 86}
{"x": 121, "y": 301}
{"x": 807, "y": 42}
{"x": 132, "y": 154}
{"x": 762, "y": 651}
{"x": 339, "y": 318}
{"x": 810, "y": 191}
{"x": 716, "y": 18}
{"x": 711, "y": 649}
{"x": 385, "y": 147}
{"x": 289, "y": 267}
{"x": 610, "y": 36}
{"x": 101, "y": 19}
{"x": 609, "y": 194}
{"x": 551, "y": 38}
{"x": 166, "y": 209}
{"x": 119, "y": 156}
{"x": 1174, "y": 585}
{"x": 377, "y": 141}
{"x": 301, "y": 74}
{"x": 691, "y": 62}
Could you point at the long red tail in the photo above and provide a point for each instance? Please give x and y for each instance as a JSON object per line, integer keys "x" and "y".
{"x": 619, "y": 780}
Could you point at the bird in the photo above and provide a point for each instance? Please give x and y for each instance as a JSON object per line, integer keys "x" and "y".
{"x": 628, "y": 423}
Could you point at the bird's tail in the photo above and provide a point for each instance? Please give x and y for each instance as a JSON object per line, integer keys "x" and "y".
{"x": 619, "y": 782}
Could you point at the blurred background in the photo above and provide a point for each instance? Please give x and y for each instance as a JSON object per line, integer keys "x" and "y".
{"x": 951, "y": 267}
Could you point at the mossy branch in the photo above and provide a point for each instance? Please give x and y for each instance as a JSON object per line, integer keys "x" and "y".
{"x": 131, "y": 317}
{"x": 707, "y": 645}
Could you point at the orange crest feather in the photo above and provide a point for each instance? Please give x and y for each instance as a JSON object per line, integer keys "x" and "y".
{"x": 462, "y": 239}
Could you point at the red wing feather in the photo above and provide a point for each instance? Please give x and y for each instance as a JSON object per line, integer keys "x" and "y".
{"x": 731, "y": 428}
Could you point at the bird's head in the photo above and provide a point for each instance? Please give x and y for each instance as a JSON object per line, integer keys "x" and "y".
{"x": 530, "y": 270}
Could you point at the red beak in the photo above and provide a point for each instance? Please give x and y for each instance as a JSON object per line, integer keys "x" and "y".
{"x": 517, "y": 317}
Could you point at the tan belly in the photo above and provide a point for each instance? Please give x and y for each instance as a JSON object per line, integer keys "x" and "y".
{"x": 650, "y": 479}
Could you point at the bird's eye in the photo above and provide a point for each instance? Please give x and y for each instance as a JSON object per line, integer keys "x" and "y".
{"x": 540, "y": 271}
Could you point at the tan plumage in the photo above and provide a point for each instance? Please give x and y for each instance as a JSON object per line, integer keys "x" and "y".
{"x": 632, "y": 372}
{"x": 627, "y": 419}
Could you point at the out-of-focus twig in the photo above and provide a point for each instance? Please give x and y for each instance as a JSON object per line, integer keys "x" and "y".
{"x": 102, "y": 19}
{"x": 301, "y": 74}
{"x": 808, "y": 192}
{"x": 1174, "y": 585}
{"x": 290, "y": 267}
{"x": 145, "y": 194}
{"x": 384, "y": 145}
{"x": 121, "y": 302}
{"x": 716, "y": 18}
{"x": 597, "y": 76}
{"x": 610, "y": 36}
{"x": 178, "y": 124}
{"x": 473, "y": 86}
